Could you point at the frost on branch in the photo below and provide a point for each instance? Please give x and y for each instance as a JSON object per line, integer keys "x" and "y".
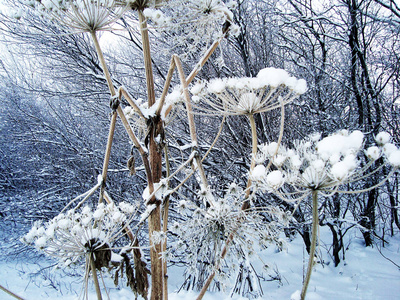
{"x": 271, "y": 89}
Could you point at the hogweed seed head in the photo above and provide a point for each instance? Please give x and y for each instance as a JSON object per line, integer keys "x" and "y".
{"x": 322, "y": 165}
{"x": 271, "y": 89}
{"x": 81, "y": 15}
{"x": 70, "y": 236}
{"x": 194, "y": 23}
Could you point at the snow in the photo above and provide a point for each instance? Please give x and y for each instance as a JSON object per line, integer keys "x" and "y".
{"x": 258, "y": 172}
{"x": 373, "y": 153}
{"x": 339, "y": 170}
{"x": 394, "y": 158}
{"x": 365, "y": 274}
{"x": 273, "y": 77}
{"x": 275, "y": 179}
{"x": 340, "y": 144}
{"x": 382, "y": 138}
{"x": 216, "y": 86}
{"x": 389, "y": 148}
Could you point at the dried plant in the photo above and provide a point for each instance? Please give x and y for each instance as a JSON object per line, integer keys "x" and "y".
{"x": 221, "y": 229}
{"x": 322, "y": 168}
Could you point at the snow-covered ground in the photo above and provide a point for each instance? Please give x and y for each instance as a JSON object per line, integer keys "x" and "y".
{"x": 365, "y": 274}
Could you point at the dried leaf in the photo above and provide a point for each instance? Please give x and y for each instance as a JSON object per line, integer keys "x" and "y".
{"x": 131, "y": 165}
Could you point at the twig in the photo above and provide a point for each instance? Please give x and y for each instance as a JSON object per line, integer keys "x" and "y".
{"x": 10, "y": 293}
{"x": 398, "y": 266}
{"x": 192, "y": 126}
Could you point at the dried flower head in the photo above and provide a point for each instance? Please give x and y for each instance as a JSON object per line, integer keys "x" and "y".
{"x": 71, "y": 236}
{"x": 243, "y": 96}
{"x": 81, "y": 15}
{"x": 205, "y": 232}
{"x": 192, "y": 24}
{"x": 324, "y": 165}
{"x": 142, "y": 4}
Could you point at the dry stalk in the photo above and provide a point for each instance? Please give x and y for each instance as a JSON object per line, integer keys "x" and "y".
{"x": 107, "y": 155}
{"x": 123, "y": 92}
{"x": 114, "y": 115}
{"x": 313, "y": 243}
{"x": 203, "y": 60}
{"x": 192, "y": 126}
{"x": 156, "y": 167}
{"x": 246, "y": 203}
{"x": 166, "y": 86}
{"x": 10, "y": 293}
{"x": 95, "y": 278}
{"x": 197, "y": 67}
{"x": 137, "y": 144}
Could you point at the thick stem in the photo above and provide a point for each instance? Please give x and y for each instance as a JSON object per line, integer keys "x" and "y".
{"x": 147, "y": 58}
{"x": 156, "y": 168}
{"x": 95, "y": 279}
{"x": 157, "y": 276}
{"x": 313, "y": 243}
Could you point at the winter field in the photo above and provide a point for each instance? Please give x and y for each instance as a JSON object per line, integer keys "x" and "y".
{"x": 367, "y": 273}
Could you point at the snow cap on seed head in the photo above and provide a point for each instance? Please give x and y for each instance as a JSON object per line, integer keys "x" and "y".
{"x": 394, "y": 158}
{"x": 271, "y": 89}
{"x": 339, "y": 144}
{"x": 382, "y": 138}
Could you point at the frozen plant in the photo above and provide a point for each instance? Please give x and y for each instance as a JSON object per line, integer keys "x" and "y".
{"x": 84, "y": 237}
{"x": 91, "y": 16}
{"x": 195, "y": 23}
{"x": 203, "y": 235}
{"x": 271, "y": 89}
{"x": 321, "y": 167}
{"x": 81, "y": 15}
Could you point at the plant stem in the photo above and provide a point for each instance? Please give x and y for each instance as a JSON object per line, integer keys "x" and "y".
{"x": 313, "y": 243}
{"x": 114, "y": 115}
{"x": 10, "y": 293}
{"x": 192, "y": 126}
{"x": 103, "y": 63}
{"x": 246, "y": 204}
{"x": 156, "y": 167}
{"x": 147, "y": 58}
{"x": 165, "y": 227}
{"x": 95, "y": 279}
{"x": 107, "y": 154}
